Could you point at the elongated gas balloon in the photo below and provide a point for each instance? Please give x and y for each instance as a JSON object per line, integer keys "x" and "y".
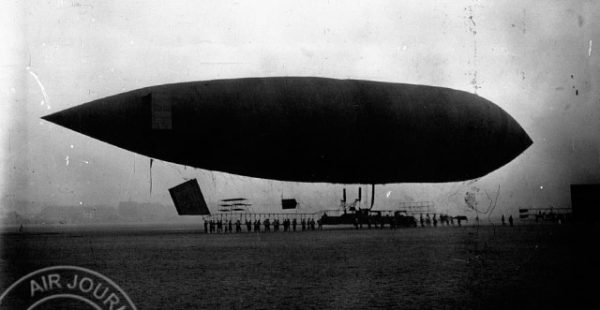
{"x": 308, "y": 129}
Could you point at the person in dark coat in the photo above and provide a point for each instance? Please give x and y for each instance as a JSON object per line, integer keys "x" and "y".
{"x": 257, "y": 226}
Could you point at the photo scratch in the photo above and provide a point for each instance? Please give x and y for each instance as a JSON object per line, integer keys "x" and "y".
{"x": 42, "y": 88}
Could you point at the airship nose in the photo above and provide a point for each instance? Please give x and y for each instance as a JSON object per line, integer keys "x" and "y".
{"x": 111, "y": 119}
{"x": 60, "y": 119}
{"x": 82, "y": 119}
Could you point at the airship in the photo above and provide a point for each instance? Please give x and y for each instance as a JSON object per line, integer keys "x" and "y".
{"x": 308, "y": 129}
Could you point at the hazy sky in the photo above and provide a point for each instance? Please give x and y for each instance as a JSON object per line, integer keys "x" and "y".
{"x": 537, "y": 60}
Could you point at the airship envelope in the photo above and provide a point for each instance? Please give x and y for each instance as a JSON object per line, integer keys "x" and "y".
{"x": 308, "y": 129}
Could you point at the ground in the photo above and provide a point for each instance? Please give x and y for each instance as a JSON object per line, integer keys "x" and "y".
{"x": 487, "y": 267}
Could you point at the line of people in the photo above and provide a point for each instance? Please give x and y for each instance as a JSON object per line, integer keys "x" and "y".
{"x": 443, "y": 220}
{"x": 286, "y": 225}
{"x": 380, "y": 222}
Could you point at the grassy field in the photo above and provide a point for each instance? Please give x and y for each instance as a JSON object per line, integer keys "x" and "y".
{"x": 545, "y": 266}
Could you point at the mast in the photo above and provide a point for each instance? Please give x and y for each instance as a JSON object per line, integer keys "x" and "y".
{"x": 372, "y": 195}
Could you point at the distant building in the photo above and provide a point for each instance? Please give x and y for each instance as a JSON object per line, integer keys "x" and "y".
{"x": 585, "y": 202}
